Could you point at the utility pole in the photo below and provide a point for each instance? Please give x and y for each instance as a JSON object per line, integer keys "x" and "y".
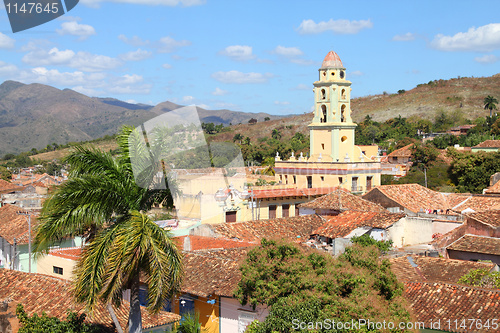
{"x": 29, "y": 237}
{"x": 425, "y": 176}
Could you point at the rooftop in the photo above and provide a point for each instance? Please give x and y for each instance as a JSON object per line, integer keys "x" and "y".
{"x": 343, "y": 224}
{"x": 488, "y": 144}
{"x": 341, "y": 199}
{"x": 212, "y": 272}
{"x": 332, "y": 60}
{"x": 433, "y": 269}
{"x": 211, "y": 243}
{"x": 495, "y": 188}
{"x": 40, "y": 293}
{"x": 15, "y": 226}
{"x": 72, "y": 253}
{"x": 402, "y": 152}
{"x": 476, "y": 244}
{"x": 290, "y": 228}
{"x": 433, "y": 301}
{"x": 289, "y": 192}
{"x": 6, "y": 186}
{"x": 490, "y": 217}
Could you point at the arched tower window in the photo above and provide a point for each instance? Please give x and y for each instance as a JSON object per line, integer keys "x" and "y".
{"x": 323, "y": 113}
{"x": 342, "y": 114}
{"x": 343, "y": 94}
{"x": 323, "y": 94}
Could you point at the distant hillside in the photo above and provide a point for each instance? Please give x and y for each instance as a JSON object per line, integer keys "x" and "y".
{"x": 35, "y": 115}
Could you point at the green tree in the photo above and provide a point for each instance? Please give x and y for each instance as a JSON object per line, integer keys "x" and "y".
{"x": 103, "y": 200}
{"x": 237, "y": 137}
{"x": 490, "y": 103}
{"x": 5, "y": 173}
{"x": 276, "y": 134}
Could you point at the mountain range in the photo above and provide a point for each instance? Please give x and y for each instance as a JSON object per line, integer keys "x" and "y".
{"x": 35, "y": 115}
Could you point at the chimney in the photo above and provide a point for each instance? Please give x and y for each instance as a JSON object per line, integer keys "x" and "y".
{"x": 187, "y": 244}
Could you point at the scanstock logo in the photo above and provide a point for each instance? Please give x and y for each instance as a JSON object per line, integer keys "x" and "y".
{"x": 26, "y": 14}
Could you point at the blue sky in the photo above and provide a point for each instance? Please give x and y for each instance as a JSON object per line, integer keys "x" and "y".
{"x": 252, "y": 56}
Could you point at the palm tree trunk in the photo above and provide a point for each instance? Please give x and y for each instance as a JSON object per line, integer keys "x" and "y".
{"x": 134, "y": 316}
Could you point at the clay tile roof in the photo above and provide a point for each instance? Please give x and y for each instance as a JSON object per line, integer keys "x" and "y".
{"x": 348, "y": 201}
{"x": 332, "y": 59}
{"x": 290, "y": 228}
{"x": 495, "y": 188}
{"x": 434, "y": 269}
{"x": 344, "y": 223}
{"x": 207, "y": 243}
{"x": 289, "y": 192}
{"x": 41, "y": 293}
{"x": 13, "y": 225}
{"x": 433, "y": 301}
{"x": 478, "y": 203}
{"x": 72, "y": 253}
{"x": 212, "y": 272}
{"x": 413, "y": 197}
{"x": 490, "y": 217}
{"x": 489, "y": 144}
{"x": 6, "y": 187}
{"x": 402, "y": 152}
{"x": 476, "y": 244}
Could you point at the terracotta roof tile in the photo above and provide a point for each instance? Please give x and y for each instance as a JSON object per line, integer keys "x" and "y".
{"x": 434, "y": 269}
{"x": 6, "y": 186}
{"x": 447, "y": 302}
{"x": 52, "y": 295}
{"x": 460, "y": 202}
{"x": 212, "y": 272}
{"x": 488, "y": 144}
{"x": 476, "y": 244}
{"x": 207, "y": 243}
{"x": 490, "y": 217}
{"x": 402, "y": 152}
{"x": 414, "y": 197}
{"x": 347, "y": 201}
{"x": 343, "y": 224}
{"x": 291, "y": 228}
{"x": 495, "y": 188}
{"x": 332, "y": 59}
{"x": 72, "y": 253}
{"x": 13, "y": 225}
{"x": 290, "y": 192}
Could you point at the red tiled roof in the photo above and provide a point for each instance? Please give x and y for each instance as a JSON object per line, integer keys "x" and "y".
{"x": 460, "y": 202}
{"x": 212, "y": 272}
{"x": 414, "y": 197}
{"x": 6, "y": 187}
{"x": 72, "y": 253}
{"x": 343, "y": 224}
{"x": 207, "y": 243}
{"x": 332, "y": 59}
{"x": 488, "y": 144}
{"x": 402, "y": 152}
{"x": 476, "y": 244}
{"x": 13, "y": 225}
{"x": 291, "y": 228}
{"x": 434, "y": 269}
{"x": 290, "y": 192}
{"x": 490, "y": 217}
{"x": 41, "y": 293}
{"x": 495, "y": 188}
{"x": 447, "y": 302}
{"x": 341, "y": 199}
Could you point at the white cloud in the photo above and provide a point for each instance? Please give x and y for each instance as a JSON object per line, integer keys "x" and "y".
{"x": 240, "y": 77}
{"x": 170, "y": 3}
{"x": 137, "y": 55}
{"x": 134, "y": 41}
{"x": 335, "y": 26}
{"x": 188, "y": 99}
{"x": 166, "y": 66}
{"x": 6, "y": 42}
{"x": 219, "y": 92}
{"x": 168, "y": 44}
{"x": 483, "y": 39}
{"x": 83, "y": 61}
{"x": 75, "y": 29}
{"x": 487, "y": 59}
{"x": 287, "y": 51}
{"x": 7, "y": 69}
{"x": 129, "y": 79}
{"x": 53, "y": 76}
{"x": 404, "y": 38}
{"x": 238, "y": 52}
{"x": 356, "y": 73}
{"x": 87, "y": 91}
{"x": 302, "y": 86}
{"x": 281, "y": 103}
{"x": 305, "y": 62}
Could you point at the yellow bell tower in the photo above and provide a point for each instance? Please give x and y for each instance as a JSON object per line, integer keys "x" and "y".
{"x": 332, "y": 129}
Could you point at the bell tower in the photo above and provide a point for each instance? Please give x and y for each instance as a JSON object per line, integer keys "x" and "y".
{"x": 332, "y": 129}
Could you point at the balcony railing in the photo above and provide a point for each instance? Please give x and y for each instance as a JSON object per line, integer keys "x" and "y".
{"x": 356, "y": 189}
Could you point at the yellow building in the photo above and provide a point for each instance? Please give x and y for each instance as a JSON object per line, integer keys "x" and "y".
{"x": 334, "y": 159}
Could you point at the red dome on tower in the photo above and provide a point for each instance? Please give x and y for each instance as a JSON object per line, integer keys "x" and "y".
{"x": 332, "y": 59}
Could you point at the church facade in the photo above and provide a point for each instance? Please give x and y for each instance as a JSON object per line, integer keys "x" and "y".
{"x": 334, "y": 158}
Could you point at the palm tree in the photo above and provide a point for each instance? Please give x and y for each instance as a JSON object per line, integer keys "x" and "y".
{"x": 103, "y": 200}
{"x": 490, "y": 103}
